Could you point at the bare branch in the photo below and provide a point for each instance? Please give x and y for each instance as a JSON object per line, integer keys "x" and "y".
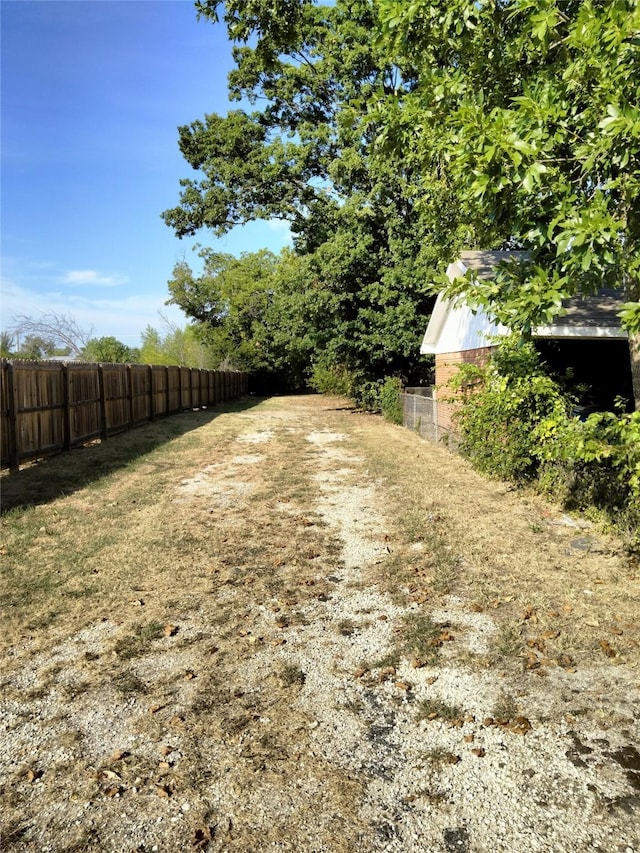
{"x": 61, "y": 328}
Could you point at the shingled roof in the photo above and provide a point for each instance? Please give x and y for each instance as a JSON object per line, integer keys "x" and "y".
{"x": 581, "y": 313}
{"x": 455, "y": 326}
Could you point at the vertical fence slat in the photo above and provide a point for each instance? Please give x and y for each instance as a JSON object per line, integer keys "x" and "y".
{"x": 12, "y": 416}
{"x": 49, "y": 407}
{"x": 66, "y": 413}
{"x": 104, "y": 426}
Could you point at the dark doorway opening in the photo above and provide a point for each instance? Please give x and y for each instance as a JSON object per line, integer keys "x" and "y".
{"x": 597, "y": 372}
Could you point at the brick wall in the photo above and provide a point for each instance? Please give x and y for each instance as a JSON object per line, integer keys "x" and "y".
{"x": 447, "y": 365}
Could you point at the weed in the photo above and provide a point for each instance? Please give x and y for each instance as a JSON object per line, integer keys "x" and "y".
{"x": 392, "y": 658}
{"x": 127, "y": 683}
{"x": 291, "y": 674}
{"x": 355, "y": 706}
{"x": 505, "y": 707}
{"x": 436, "y": 709}
{"x": 137, "y": 644}
{"x": 420, "y": 637}
{"x": 508, "y": 641}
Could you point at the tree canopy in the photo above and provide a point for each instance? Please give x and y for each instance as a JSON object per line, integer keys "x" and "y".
{"x": 531, "y": 112}
{"x": 357, "y": 296}
{"x": 110, "y": 350}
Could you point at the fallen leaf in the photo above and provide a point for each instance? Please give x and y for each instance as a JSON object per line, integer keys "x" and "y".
{"x": 109, "y": 774}
{"x": 202, "y": 836}
{"x": 164, "y": 765}
{"x": 34, "y": 775}
{"x": 416, "y": 663}
{"x": 360, "y": 671}
{"x": 118, "y": 755}
{"x": 608, "y": 649}
{"x": 531, "y": 661}
{"x": 162, "y": 790}
{"x": 519, "y": 725}
{"x": 529, "y": 615}
{"x": 615, "y": 630}
{"x": 452, "y": 759}
{"x": 189, "y": 675}
{"x": 479, "y": 751}
{"x": 170, "y": 630}
{"x": 550, "y": 634}
{"x": 166, "y": 750}
{"x": 403, "y": 685}
{"x": 112, "y": 791}
{"x": 386, "y": 672}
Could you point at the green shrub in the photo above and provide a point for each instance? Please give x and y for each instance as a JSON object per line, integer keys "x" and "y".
{"x": 334, "y": 379}
{"x": 594, "y": 463}
{"x": 390, "y": 399}
{"x": 516, "y": 424}
{"x": 503, "y": 403}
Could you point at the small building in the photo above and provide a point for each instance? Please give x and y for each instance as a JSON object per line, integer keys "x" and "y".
{"x": 586, "y": 343}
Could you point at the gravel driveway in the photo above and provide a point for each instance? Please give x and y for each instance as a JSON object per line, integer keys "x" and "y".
{"x": 307, "y": 630}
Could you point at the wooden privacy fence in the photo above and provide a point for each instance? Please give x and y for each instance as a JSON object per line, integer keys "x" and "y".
{"x": 48, "y": 407}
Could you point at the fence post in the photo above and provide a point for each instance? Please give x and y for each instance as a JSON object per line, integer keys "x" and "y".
{"x": 152, "y": 399}
{"x": 66, "y": 402}
{"x": 12, "y": 417}
{"x": 130, "y": 393}
{"x": 104, "y": 426}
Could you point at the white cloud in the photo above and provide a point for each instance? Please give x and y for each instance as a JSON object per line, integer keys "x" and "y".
{"x": 124, "y": 318}
{"x": 92, "y": 277}
{"x": 282, "y": 227}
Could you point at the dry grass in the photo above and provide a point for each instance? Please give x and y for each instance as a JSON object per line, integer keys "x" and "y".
{"x": 142, "y": 577}
{"x": 509, "y": 554}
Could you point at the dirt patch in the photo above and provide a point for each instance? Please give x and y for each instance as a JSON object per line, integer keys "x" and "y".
{"x": 340, "y": 640}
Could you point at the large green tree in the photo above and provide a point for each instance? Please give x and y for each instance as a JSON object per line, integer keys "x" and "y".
{"x": 530, "y": 111}
{"x": 110, "y": 350}
{"x": 360, "y": 298}
{"x": 181, "y": 346}
{"x": 229, "y": 300}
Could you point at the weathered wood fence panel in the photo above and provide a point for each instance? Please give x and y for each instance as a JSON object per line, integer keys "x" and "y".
{"x": 47, "y": 407}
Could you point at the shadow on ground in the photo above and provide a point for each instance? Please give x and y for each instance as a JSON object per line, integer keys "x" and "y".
{"x": 47, "y": 479}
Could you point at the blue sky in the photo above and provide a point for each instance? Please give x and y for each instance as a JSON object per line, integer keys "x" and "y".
{"x": 93, "y": 92}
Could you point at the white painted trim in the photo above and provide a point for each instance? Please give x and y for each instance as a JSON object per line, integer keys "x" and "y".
{"x": 583, "y": 333}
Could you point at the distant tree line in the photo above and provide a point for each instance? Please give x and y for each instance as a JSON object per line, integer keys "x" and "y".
{"x": 59, "y": 336}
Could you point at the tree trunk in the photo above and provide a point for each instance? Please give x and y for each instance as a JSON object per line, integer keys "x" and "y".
{"x": 634, "y": 352}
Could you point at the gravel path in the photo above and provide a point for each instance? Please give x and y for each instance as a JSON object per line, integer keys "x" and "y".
{"x": 312, "y": 683}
